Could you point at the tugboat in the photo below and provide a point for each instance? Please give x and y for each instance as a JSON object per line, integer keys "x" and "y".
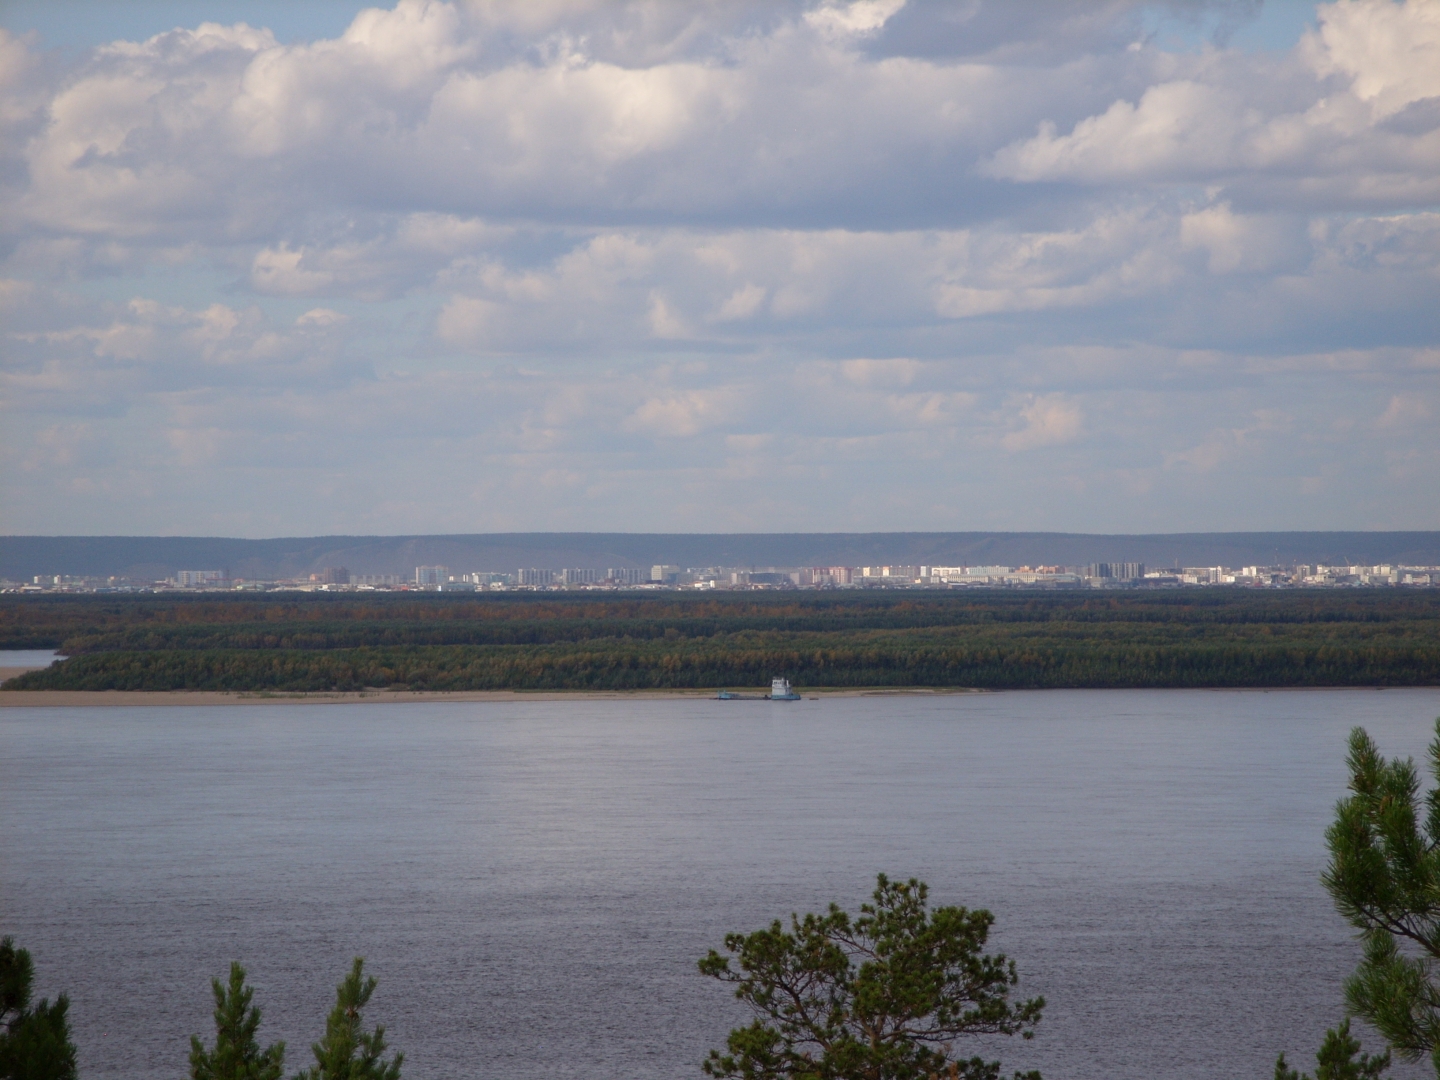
{"x": 780, "y": 691}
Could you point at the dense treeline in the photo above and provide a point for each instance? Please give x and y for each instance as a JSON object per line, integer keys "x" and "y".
{"x": 994, "y": 640}
{"x": 658, "y": 665}
{"x": 555, "y": 631}
{"x": 79, "y": 624}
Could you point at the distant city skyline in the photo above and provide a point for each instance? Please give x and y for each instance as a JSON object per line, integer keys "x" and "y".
{"x": 428, "y": 267}
{"x": 673, "y": 578}
{"x": 543, "y": 559}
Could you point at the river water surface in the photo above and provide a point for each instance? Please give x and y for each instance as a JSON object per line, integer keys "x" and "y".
{"x": 532, "y": 883}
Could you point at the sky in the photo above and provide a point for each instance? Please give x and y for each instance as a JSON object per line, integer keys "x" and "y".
{"x": 1099, "y": 266}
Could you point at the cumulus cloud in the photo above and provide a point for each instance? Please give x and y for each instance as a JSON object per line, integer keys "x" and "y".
{"x": 858, "y": 17}
{"x": 1403, "y": 412}
{"x": 1387, "y": 51}
{"x": 1223, "y": 446}
{"x": 1243, "y": 243}
{"x": 121, "y": 352}
{"x": 636, "y": 288}
{"x": 680, "y": 414}
{"x": 379, "y": 259}
{"x": 1324, "y": 128}
{"x": 911, "y": 259}
{"x": 1046, "y": 421}
{"x": 223, "y": 132}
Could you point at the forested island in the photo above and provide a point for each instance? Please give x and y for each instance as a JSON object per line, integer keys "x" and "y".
{"x": 982, "y": 640}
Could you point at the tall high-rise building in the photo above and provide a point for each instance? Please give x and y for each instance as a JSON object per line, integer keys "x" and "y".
{"x": 488, "y": 577}
{"x": 431, "y": 575}
{"x": 191, "y": 578}
{"x": 1116, "y": 571}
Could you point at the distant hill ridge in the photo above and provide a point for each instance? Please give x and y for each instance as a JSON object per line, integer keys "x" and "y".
{"x": 154, "y": 557}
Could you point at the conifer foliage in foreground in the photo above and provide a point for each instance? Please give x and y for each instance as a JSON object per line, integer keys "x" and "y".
{"x": 236, "y": 1054}
{"x": 1339, "y": 1059}
{"x": 34, "y": 1041}
{"x": 1384, "y": 876}
{"x": 882, "y": 996}
{"x": 347, "y": 1052}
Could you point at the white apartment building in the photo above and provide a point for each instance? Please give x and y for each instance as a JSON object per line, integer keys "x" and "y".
{"x": 191, "y": 578}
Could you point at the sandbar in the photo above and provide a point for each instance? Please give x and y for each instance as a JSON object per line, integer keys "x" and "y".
{"x": 150, "y": 698}
{"x": 11, "y": 672}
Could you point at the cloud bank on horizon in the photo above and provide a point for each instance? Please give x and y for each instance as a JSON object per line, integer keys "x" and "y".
{"x": 725, "y": 267}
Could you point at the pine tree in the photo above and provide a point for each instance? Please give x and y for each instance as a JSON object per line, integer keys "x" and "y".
{"x": 34, "y": 1042}
{"x": 236, "y": 1056}
{"x": 347, "y": 1052}
{"x": 884, "y": 996}
{"x": 1384, "y": 876}
{"x": 1338, "y": 1060}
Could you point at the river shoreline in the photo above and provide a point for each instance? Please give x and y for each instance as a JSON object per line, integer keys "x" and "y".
{"x": 149, "y": 698}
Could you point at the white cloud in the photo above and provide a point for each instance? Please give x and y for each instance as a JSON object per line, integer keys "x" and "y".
{"x": 320, "y": 318}
{"x": 225, "y": 133}
{"x": 1223, "y": 446}
{"x": 380, "y": 258}
{"x": 680, "y": 414}
{"x": 1390, "y": 52}
{"x": 896, "y": 371}
{"x": 664, "y": 322}
{"x": 1404, "y": 411}
{"x": 908, "y": 259}
{"x": 278, "y": 270}
{"x": 148, "y": 347}
{"x": 1047, "y": 420}
{"x": 1274, "y": 132}
{"x": 743, "y": 303}
{"x": 1175, "y": 129}
{"x": 748, "y": 285}
{"x": 669, "y": 284}
{"x": 1241, "y": 243}
{"x": 857, "y": 17}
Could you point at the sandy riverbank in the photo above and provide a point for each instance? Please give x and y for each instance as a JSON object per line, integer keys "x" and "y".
{"x": 7, "y": 673}
{"x": 149, "y": 698}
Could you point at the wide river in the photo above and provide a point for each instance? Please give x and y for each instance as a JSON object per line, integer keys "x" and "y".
{"x": 532, "y": 883}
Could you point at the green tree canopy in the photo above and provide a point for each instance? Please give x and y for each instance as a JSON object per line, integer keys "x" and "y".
{"x": 348, "y": 1052}
{"x": 883, "y": 996}
{"x": 1339, "y": 1059}
{"x": 1384, "y": 876}
{"x": 34, "y": 1041}
{"x": 236, "y": 1054}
